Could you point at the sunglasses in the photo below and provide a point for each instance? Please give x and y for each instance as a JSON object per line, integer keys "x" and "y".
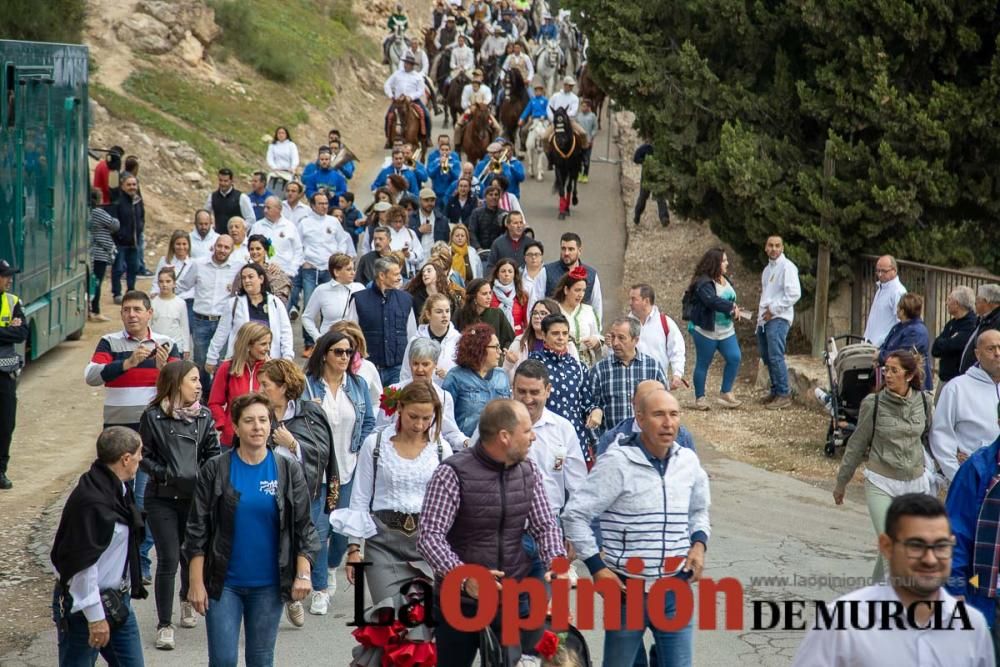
{"x": 341, "y": 352}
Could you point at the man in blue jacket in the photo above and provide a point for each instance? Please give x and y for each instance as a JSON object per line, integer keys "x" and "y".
{"x": 510, "y": 167}
{"x": 443, "y": 168}
{"x": 397, "y": 167}
{"x": 538, "y": 108}
{"x": 325, "y": 176}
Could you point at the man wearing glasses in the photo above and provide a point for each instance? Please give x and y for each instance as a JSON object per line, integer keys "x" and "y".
{"x": 882, "y": 317}
{"x": 919, "y": 547}
{"x": 974, "y": 511}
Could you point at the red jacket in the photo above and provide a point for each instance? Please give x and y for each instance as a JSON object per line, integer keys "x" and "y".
{"x": 518, "y": 310}
{"x": 225, "y": 388}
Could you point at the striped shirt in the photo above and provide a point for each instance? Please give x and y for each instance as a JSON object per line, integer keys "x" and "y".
{"x": 102, "y": 229}
{"x": 127, "y": 392}
{"x": 612, "y": 385}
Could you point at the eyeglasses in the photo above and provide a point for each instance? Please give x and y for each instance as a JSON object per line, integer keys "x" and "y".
{"x": 916, "y": 549}
{"x": 892, "y": 370}
{"x": 341, "y": 352}
{"x": 493, "y": 347}
{"x": 879, "y": 272}
{"x": 532, "y": 254}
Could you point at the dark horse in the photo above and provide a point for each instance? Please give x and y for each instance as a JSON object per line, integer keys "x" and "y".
{"x": 478, "y": 134}
{"x": 515, "y": 98}
{"x": 453, "y": 101}
{"x": 565, "y": 151}
{"x": 589, "y": 90}
{"x": 406, "y": 124}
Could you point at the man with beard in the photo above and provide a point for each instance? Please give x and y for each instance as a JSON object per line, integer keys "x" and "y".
{"x": 570, "y": 251}
{"x": 918, "y": 546}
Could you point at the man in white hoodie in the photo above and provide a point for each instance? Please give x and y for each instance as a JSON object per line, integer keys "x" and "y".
{"x": 966, "y": 418}
{"x": 652, "y": 498}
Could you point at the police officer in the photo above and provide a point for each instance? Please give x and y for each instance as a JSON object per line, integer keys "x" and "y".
{"x": 13, "y": 330}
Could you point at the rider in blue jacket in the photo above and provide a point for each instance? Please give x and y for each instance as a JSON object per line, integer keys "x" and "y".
{"x": 548, "y": 29}
{"x": 538, "y": 106}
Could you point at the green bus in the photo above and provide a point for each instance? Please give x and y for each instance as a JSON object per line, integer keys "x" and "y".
{"x": 44, "y": 186}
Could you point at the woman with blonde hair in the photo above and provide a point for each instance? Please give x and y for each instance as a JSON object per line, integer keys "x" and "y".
{"x": 435, "y": 324}
{"x": 360, "y": 365}
{"x": 465, "y": 262}
{"x": 178, "y": 257}
{"x": 239, "y": 375}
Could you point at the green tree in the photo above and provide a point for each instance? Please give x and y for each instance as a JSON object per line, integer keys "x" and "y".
{"x": 742, "y": 99}
{"x": 43, "y": 20}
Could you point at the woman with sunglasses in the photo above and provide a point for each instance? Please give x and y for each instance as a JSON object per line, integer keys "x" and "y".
{"x": 893, "y": 426}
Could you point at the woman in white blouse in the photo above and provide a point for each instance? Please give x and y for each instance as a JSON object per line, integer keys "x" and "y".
{"x": 584, "y": 329}
{"x": 435, "y": 324}
{"x": 282, "y": 160}
{"x": 328, "y": 303}
{"x": 178, "y": 258}
{"x": 533, "y": 270}
{"x": 360, "y": 364}
{"x": 253, "y": 303}
{"x": 393, "y": 470}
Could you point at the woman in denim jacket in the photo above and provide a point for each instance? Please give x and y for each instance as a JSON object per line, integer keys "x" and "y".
{"x": 349, "y": 409}
{"x": 476, "y": 379}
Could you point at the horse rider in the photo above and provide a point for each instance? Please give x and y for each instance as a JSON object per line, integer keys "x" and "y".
{"x": 462, "y": 58}
{"x": 447, "y": 33}
{"x": 476, "y": 92}
{"x": 416, "y": 49}
{"x": 520, "y": 61}
{"x": 537, "y": 109}
{"x": 548, "y": 31}
{"x": 520, "y": 21}
{"x": 408, "y": 83}
{"x": 565, "y": 99}
{"x": 507, "y": 23}
{"x": 494, "y": 46}
{"x": 397, "y": 23}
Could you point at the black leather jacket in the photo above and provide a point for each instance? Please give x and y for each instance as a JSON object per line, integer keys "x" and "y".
{"x": 213, "y": 516}
{"x": 312, "y": 431}
{"x": 174, "y": 451}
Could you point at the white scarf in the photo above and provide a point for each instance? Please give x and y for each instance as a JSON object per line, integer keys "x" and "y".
{"x": 505, "y": 295}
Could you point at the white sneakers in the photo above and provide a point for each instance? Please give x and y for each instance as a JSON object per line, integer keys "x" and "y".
{"x": 319, "y": 603}
{"x": 188, "y": 618}
{"x": 165, "y": 638}
{"x": 295, "y": 613}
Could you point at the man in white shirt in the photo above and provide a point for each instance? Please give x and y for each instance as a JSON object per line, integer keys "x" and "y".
{"x": 475, "y": 92}
{"x": 779, "y": 292}
{"x": 918, "y": 544}
{"x": 883, "y": 316}
{"x": 238, "y": 230}
{"x": 203, "y": 237}
{"x": 519, "y": 61}
{"x": 494, "y": 46}
{"x": 463, "y": 59}
{"x": 211, "y": 278}
{"x": 405, "y": 240}
{"x": 565, "y": 98}
{"x": 95, "y": 549}
{"x": 660, "y": 337}
{"x": 408, "y": 83}
{"x": 285, "y": 239}
{"x": 965, "y": 417}
{"x": 294, "y": 207}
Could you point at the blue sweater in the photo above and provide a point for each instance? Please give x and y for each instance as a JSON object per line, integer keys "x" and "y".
{"x": 538, "y": 107}
{"x": 625, "y": 427}
{"x": 411, "y": 179}
{"x": 329, "y": 178}
{"x": 909, "y": 335}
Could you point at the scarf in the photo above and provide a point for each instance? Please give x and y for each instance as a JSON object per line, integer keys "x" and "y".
{"x": 985, "y": 554}
{"x": 186, "y": 415}
{"x": 458, "y": 263}
{"x": 505, "y": 295}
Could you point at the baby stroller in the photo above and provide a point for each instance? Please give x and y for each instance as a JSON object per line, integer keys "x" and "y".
{"x": 851, "y": 370}
{"x": 492, "y": 654}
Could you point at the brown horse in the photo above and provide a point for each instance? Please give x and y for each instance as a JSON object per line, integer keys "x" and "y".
{"x": 405, "y": 124}
{"x": 515, "y": 98}
{"x": 453, "y": 98}
{"x": 589, "y": 90}
{"x": 478, "y": 133}
{"x": 430, "y": 48}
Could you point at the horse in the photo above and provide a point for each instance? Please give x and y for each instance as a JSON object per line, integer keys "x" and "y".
{"x": 406, "y": 124}
{"x": 395, "y": 49}
{"x": 589, "y": 90}
{"x": 515, "y": 98}
{"x": 478, "y": 133}
{"x": 430, "y": 47}
{"x": 569, "y": 42}
{"x": 565, "y": 150}
{"x": 479, "y": 34}
{"x": 453, "y": 98}
{"x": 547, "y": 66}
{"x": 535, "y": 147}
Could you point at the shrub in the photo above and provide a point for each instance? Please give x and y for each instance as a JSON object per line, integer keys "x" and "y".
{"x": 48, "y": 21}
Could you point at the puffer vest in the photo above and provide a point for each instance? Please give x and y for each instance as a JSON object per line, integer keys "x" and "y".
{"x": 496, "y": 500}
{"x": 382, "y": 318}
{"x": 554, "y": 271}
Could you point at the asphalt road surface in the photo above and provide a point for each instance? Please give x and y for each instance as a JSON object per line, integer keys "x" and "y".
{"x": 763, "y": 524}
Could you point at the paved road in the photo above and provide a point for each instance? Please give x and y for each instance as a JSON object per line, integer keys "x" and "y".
{"x": 764, "y": 524}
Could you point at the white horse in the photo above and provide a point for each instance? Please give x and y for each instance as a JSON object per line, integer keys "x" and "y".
{"x": 536, "y": 150}
{"x": 569, "y": 41}
{"x": 547, "y": 66}
{"x": 396, "y": 49}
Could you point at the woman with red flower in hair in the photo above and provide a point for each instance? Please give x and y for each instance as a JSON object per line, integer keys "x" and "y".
{"x": 584, "y": 327}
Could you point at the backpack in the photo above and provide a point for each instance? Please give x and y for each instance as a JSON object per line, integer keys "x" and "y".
{"x": 665, "y": 325}
{"x": 687, "y": 304}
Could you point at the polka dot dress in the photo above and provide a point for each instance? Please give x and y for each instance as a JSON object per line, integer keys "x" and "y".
{"x": 570, "y": 393}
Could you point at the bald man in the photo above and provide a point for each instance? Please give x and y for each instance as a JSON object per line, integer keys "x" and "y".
{"x": 883, "y": 313}
{"x": 652, "y": 497}
{"x": 285, "y": 239}
{"x": 628, "y": 426}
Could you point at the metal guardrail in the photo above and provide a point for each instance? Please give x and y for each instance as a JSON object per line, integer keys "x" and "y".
{"x": 933, "y": 283}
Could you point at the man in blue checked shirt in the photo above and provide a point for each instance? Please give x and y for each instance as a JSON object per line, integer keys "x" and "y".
{"x": 614, "y": 379}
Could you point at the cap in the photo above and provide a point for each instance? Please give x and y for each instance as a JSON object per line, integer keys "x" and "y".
{"x": 449, "y": 18}
{"x": 6, "y": 270}
{"x": 494, "y": 147}
{"x": 381, "y": 206}
{"x": 427, "y": 193}
{"x": 539, "y": 84}
{"x": 569, "y": 80}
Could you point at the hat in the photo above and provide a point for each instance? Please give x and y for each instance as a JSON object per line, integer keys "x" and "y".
{"x": 381, "y": 206}
{"x": 477, "y": 75}
{"x": 449, "y": 18}
{"x": 569, "y": 81}
{"x": 546, "y": 16}
{"x": 538, "y": 84}
{"x": 427, "y": 193}
{"x": 494, "y": 147}
{"x": 497, "y": 29}
{"x": 408, "y": 58}
{"x": 6, "y": 270}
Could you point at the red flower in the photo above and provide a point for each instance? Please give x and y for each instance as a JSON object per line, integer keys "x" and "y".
{"x": 412, "y": 654}
{"x": 373, "y": 636}
{"x": 578, "y": 273}
{"x": 389, "y": 400}
{"x": 416, "y": 614}
{"x": 548, "y": 645}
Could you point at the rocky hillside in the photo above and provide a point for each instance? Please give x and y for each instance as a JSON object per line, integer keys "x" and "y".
{"x": 190, "y": 86}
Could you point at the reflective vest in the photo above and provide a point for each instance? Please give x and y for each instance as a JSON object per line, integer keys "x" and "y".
{"x": 7, "y": 308}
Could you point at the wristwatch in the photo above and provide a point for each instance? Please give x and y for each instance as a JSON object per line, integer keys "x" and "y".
{"x": 304, "y": 577}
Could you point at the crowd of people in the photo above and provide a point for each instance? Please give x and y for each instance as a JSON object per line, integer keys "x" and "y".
{"x": 478, "y": 396}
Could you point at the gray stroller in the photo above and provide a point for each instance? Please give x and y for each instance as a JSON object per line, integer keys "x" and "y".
{"x": 852, "y": 373}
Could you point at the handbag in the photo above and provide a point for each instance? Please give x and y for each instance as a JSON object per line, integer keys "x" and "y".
{"x": 116, "y": 610}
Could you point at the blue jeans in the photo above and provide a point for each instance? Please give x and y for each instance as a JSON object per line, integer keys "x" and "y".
{"x": 321, "y": 520}
{"x": 142, "y": 252}
{"x": 124, "y": 649}
{"x": 622, "y": 648}
{"x": 389, "y": 375}
{"x": 202, "y": 332}
{"x": 537, "y": 570}
{"x": 259, "y": 609}
{"x": 337, "y": 541}
{"x": 705, "y": 349}
{"x": 771, "y": 341}
{"x": 308, "y": 279}
{"x": 127, "y": 264}
{"x": 141, "y": 479}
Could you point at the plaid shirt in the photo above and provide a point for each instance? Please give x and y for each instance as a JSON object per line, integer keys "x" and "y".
{"x": 442, "y": 501}
{"x": 612, "y": 385}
